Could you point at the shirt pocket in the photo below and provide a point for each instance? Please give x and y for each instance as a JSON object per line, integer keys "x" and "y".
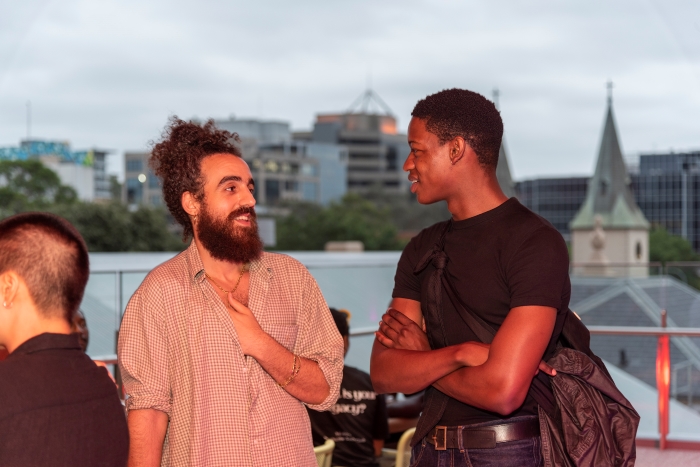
{"x": 285, "y": 334}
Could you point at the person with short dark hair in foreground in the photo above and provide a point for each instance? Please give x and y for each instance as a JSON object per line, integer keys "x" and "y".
{"x": 358, "y": 421}
{"x": 57, "y": 408}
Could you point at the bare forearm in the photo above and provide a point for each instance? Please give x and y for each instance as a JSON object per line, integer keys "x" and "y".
{"x": 409, "y": 371}
{"x": 309, "y": 385}
{"x": 147, "y": 429}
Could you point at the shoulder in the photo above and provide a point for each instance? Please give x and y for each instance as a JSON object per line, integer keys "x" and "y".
{"x": 529, "y": 227}
{"x": 425, "y": 239}
{"x": 172, "y": 272}
{"x": 276, "y": 262}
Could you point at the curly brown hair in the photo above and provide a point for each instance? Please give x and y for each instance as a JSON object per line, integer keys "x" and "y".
{"x": 458, "y": 112}
{"x": 177, "y": 161}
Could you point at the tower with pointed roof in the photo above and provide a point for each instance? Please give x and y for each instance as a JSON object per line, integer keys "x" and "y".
{"x": 610, "y": 204}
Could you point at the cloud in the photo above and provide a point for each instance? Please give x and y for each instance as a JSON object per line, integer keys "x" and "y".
{"x": 109, "y": 73}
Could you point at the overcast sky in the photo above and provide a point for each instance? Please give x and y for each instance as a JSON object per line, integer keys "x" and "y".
{"x": 109, "y": 73}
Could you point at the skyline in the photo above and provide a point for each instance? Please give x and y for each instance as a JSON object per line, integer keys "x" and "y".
{"x": 109, "y": 75}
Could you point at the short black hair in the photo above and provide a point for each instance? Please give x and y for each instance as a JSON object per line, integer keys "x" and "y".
{"x": 341, "y": 320}
{"x": 458, "y": 112}
{"x": 50, "y": 256}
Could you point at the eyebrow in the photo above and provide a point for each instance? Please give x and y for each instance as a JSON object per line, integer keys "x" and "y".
{"x": 235, "y": 178}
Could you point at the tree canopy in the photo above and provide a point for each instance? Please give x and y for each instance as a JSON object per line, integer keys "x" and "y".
{"x": 111, "y": 226}
{"x": 665, "y": 247}
{"x": 310, "y": 226}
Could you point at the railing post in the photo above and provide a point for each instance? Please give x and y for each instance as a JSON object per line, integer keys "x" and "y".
{"x": 663, "y": 380}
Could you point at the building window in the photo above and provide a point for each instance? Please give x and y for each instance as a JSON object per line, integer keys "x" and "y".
{"x": 134, "y": 165}
{"x": 134, "y": 191}
{"x": 308, "y": 191}
{"x": 272, "y": 191}
{"x": 153, "y": 181}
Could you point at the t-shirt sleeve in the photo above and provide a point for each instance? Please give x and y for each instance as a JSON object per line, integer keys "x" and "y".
{"x": 538, "y": 270}
{"x": 407, "y": 284}
{"x": 381, "y": 420}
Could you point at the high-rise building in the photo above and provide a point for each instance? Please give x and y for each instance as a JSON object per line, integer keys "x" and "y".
{"x": 375, "y": 149}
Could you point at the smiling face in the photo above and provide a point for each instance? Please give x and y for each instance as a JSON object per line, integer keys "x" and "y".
{"x": 226, "y": 224}
{"x": 428, "y": 164}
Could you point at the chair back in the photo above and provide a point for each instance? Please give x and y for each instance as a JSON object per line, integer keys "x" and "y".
{"x": 403, "y": 448}
{"x": 324, "y": 453}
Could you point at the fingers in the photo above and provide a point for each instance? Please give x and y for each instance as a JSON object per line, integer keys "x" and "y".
{"x": 544, "y": 367}
{"x": 388, "y": 331}
{"x": 385, "y": 341}
{"x": 398, "y": 316}
{"x": 237, "y": 306}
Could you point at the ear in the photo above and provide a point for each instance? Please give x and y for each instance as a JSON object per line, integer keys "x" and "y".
{"x": 9, "y": 285}
{"x": 457, "y": 147}
{"x": 189, "y": 203}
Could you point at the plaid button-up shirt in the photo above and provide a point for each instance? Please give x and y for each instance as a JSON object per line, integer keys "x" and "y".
{"x": 179, "y": 353}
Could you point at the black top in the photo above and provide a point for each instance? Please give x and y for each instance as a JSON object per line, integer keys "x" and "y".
{"x": 59, "y": 409}
{"x": 358, "y": 418}
{"x": 504, "y": 258}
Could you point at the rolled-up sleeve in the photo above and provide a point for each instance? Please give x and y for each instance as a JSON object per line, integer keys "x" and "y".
{"x": 320, "y": 340}
{"x": 143, "y": 351}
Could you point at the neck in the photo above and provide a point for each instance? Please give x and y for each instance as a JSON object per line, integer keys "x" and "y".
{"x": 481, "y": 193}
{"x": 32, "y": 327}
{"x": 216, "y": 267}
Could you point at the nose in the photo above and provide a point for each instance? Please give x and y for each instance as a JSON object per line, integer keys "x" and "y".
{"x": 248, "y": 199}
{"x": 409, "y": 163}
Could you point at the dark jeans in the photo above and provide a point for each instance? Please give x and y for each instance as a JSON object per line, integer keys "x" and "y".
{"x": 520, "y": 453}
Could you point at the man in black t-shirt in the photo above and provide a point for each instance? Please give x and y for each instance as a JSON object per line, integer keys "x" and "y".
{"x": 505, "y": 264}
{"x": 358, "y": 421}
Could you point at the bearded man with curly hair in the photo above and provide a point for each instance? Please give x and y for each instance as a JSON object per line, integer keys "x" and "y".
{"x": 223, "y": 347}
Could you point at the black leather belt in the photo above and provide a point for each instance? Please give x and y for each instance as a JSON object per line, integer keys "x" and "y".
{"x": 484, "y": 437}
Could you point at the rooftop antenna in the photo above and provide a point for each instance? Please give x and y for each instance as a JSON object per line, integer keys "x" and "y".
{"x": 496, "y": 95}
{"x": 29, "y": 119}
{"x": 609, "y": 85}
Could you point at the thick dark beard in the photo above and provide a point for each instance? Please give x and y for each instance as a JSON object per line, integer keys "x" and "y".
{"x": 227, "y": 242}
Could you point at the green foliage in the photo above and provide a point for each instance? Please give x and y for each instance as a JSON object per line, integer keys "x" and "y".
{"x": 665, "y": 247}
{"x": 407, "y": 214}
{"x": 111, "y": 227}
{"x": 309, "y": 226}
{"x": 30, "y": 186}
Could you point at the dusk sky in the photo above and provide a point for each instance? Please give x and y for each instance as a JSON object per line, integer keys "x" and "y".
{"x": 109, "y": 73}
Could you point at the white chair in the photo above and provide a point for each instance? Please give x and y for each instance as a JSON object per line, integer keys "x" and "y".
{"x": 402, "y": 453}
{"x": 324, "y": 453}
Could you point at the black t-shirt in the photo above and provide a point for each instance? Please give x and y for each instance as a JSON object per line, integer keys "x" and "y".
{"x": 504, "y": 258}
{"x": 58, "y": 408}
{"x": 358, "y": 418}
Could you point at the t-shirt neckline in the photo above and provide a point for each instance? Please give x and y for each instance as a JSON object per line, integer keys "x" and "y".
{"x": 491, "y": 214}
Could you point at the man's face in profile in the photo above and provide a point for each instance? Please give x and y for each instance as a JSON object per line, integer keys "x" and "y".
{"x": 226, "y": 223}
{"x": 428, "y": 164}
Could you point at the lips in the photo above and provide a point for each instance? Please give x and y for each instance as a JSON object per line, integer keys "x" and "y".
{"x": 242, "y": 215}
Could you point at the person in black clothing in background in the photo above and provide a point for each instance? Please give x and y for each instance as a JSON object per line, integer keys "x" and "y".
{"x": 57, "y": 408}
{"x": 503, "y": 263}
{"x": 358, "y": 421}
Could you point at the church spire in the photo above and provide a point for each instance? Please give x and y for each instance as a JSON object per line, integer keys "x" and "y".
{"x": 609, "y": 194}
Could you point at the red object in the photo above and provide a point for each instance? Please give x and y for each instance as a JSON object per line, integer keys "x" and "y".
{"x": 663, "y": 383}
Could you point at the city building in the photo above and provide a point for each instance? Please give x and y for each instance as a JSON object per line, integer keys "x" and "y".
{"x": 84, "y": 171}
{"x": 289, "y": 168}
{"x": 667, "y": 190}
{"x": 141, "y": 186}
{"x": 556, "y": 199}
{"x": 375, "y": 149}
{"x": 610, "y": 228}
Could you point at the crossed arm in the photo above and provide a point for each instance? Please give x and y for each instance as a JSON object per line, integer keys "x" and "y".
{"x": 494, "y": 378}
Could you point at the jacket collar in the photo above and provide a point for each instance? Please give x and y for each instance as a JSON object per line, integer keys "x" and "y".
{"x": 47, "y": 341}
